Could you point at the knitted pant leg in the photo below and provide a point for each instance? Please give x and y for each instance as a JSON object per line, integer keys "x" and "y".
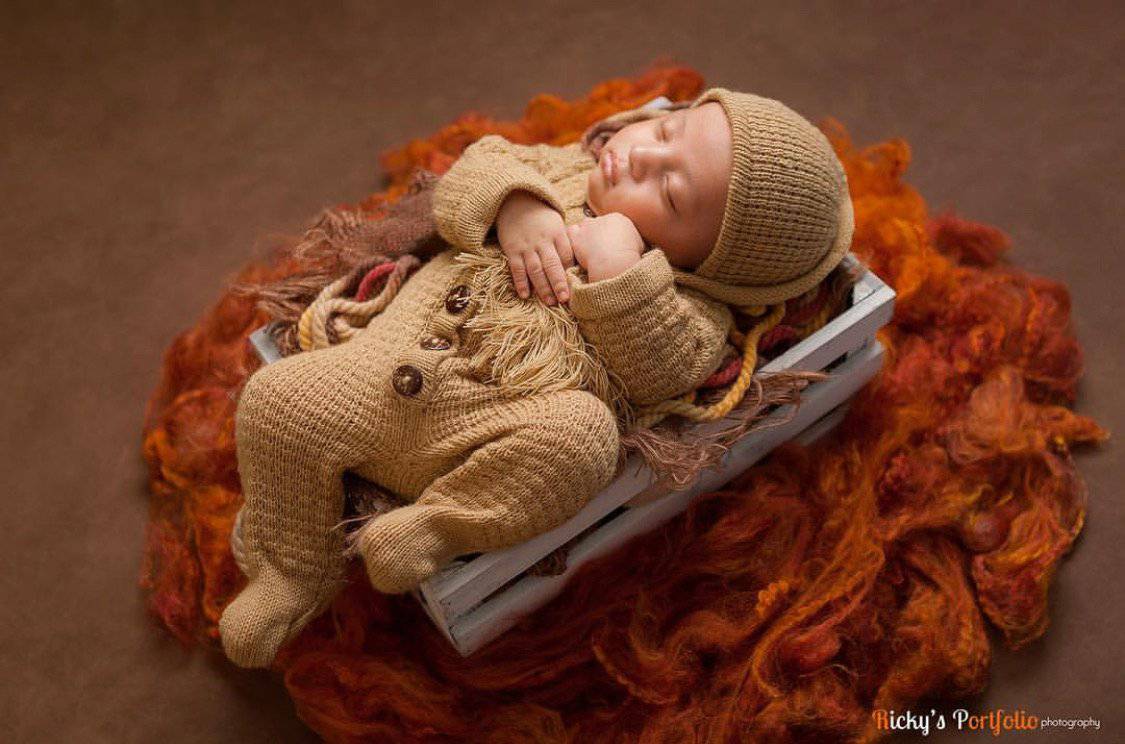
{"x": 537, "y": 462}
{"x": 300, "y": 423}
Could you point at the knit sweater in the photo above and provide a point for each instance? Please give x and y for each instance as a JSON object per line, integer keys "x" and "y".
{"x": 659, "y": 339}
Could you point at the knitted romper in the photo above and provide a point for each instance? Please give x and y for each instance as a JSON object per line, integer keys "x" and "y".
{"x": 403, "y": 405}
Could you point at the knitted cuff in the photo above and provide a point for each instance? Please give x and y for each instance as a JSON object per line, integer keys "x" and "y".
{"x": 638, "y": 286}
{"x": 401, "y": 549}
{"x": 468, "y": 197}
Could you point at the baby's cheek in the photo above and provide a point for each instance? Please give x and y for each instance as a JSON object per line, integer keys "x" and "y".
{"x": 595, "y": 190}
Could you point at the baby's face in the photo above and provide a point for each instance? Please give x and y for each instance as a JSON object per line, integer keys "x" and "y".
{"x": 669, "y": 176}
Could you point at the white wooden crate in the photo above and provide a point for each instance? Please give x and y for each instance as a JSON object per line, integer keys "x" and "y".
{"x": 474, "y": 600}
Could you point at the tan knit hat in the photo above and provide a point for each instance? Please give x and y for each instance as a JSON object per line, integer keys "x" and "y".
{"x": 788, "y": 218}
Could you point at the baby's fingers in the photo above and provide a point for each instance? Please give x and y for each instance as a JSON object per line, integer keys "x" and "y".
{"x": 553, "y": 268}
{"x": 519, "y": 275}
{"x": 564, "y": 249}
{"x": 538, "y": 277}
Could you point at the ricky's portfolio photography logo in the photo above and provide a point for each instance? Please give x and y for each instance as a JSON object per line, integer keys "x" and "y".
{"x": 996, "y": 722}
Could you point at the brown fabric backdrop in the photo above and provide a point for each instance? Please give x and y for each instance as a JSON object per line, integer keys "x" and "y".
{"x": 143, "y": 151}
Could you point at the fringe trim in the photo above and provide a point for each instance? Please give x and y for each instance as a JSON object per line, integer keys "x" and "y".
{"x": 678, "y": 452}
{"x": 529, "y": 347}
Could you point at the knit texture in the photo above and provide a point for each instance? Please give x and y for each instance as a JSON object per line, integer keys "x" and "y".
{"x": 490, "y": 449}
{"x": 788, "y": 218}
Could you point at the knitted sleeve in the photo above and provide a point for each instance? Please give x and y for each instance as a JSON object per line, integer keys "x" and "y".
{"x": 469, "y": 195}
{"x": 661, "y": 341}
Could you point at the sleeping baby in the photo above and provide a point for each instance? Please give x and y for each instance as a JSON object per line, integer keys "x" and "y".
{"x": 581, "y": 281}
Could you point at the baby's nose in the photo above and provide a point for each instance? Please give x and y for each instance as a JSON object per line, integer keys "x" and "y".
{"x": 645, "y": 159}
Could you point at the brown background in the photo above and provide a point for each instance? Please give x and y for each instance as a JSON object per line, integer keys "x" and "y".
{"x": 145, "y": 150}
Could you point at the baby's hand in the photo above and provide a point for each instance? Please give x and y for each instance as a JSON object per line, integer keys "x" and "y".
{"x": 607, "y": 245}
{"x": 533, "y": 238}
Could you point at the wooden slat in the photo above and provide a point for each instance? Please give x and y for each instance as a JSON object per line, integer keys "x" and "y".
{"x": 264, "y": 346}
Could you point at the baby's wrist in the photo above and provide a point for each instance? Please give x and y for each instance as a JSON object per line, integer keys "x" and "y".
{"x": 610, "y": 267}
{"x": 521, "y": 200}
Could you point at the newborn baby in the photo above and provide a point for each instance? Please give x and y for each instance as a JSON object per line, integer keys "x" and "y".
{"x": 496, "y": 413}
{"x": 663, "y": 182}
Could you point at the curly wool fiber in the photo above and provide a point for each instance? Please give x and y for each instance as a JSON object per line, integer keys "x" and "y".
{"x": 830, "y": 580}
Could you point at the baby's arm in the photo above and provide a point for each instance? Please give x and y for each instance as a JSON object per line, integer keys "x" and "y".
{"x": 469, "y": 195}
{"x": 661, "y": 341}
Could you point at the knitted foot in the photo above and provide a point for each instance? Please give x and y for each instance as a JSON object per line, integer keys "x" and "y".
{"x": 270, "y": 611}
{"x": 400, "y": 549}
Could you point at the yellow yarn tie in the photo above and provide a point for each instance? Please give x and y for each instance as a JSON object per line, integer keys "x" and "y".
{"x": 818, "y": 321}
{"x": 685, "y": 405}
{"x": 347, "y": 316}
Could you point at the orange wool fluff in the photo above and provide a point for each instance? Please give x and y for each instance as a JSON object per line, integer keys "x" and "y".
{"x": 822, "y": 584}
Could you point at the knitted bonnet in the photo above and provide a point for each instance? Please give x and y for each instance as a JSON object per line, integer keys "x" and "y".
{"x": 788, "y": 217}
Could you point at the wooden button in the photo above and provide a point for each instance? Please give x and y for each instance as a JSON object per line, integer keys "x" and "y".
{"x": 407, "y": 379}
{"x": 458, "y": 298}
{"x": 435, "y": 343}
